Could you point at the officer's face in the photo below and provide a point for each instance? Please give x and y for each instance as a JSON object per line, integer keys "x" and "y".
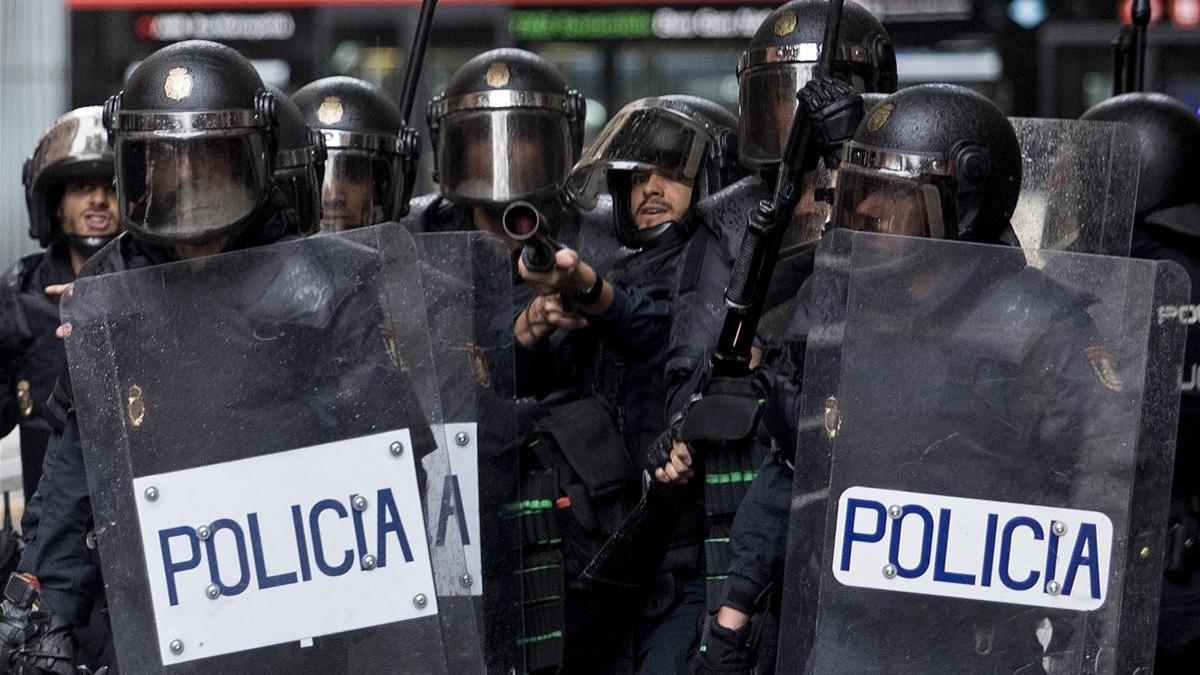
{"x": 88, "y": 208}
{"x": 655, "y": 198}
{"x": 346, "y": 201}
{"x": 890, "y": 210}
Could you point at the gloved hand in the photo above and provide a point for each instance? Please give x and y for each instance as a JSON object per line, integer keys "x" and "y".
{"x": 50, "y": 650}
{"x": 724, "y": 650}
{"x": 835, "y": 111}
{"x": 16, "y": 624}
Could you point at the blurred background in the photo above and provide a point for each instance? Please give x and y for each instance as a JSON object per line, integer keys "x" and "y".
{"x": 1047, "y": 58}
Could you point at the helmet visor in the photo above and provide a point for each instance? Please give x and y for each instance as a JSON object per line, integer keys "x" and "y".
{"x": 873, "y": 201}
{"x": 359, "y": 188}
{"x": 638, "y": 139}
{"x": 499, "y": 156}
{"x": 767, "y": 97}
{"x": 302, "y": 190}
{"x": 189, "y": 187}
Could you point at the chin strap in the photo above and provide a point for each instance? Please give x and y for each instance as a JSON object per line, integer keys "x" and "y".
{"x": 89, "y": 246}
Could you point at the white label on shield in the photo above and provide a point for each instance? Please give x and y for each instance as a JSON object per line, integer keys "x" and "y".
{"x": 285, "y": 546}
{"x": 972, "y": 548}
{"x": 460, "y": 498}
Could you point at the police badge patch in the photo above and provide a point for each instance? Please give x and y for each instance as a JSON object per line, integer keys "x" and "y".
{"x": 178, "y": 85}
{"x": 880, "y": 117}
{"x": 785, "y": 24}
{"x": 497, "y": 75}
{"x": 330, "y": 111}
{"x": 1103, "y": 366}
{"x": 479, "y": 366}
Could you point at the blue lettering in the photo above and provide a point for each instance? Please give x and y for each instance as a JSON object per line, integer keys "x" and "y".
{"x": 989, "y": 551}
{"x": 1087, "y": 539}
{"x": 210, "y": 546}
{"x": 170, "y": 567}
{"x": 850, "y": 535}
{"x": 1006, "y": 551}
{"x": 301, "y": 543}
{"x": 452, "y": 505}
{"x": 939, "y": 567}
{"x": 926, "y": 542}
{"x": 260, "y": 564}
{"x": 389, "y": 521}
{"x": 314, "y": 524}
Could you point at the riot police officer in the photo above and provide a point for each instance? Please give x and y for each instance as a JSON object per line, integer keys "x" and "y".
{"x": 1167, "y": 227}
{"x": 371, "y": 157}
{"x": 778, "y": 62}
{"x": 72, "y": 212}
{"x": 656, "y": 158}
{"x": 950, "y": 142}
{"x": 299, "y": 164}
{"x": 507, "y": 128}
{"x": 196, "y": 131}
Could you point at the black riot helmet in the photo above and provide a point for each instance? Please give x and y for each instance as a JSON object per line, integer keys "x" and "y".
{"x": 74, "y": 148}
{"x": 685, "y": 138}
{"x": 1169, "y": 137}
{"x": 934, "y": 160}
{"x": 299, "y": 163}
{"x": 193, "y": 132}
{"x": 371, "y": 156}
{"x": 506, "y": 128}
{"x": 782, "y": 57}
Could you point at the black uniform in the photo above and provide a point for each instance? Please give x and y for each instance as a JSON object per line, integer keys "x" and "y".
{"x": 32, "y": 356}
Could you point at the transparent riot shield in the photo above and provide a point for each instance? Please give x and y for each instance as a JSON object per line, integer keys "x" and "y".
{"x": 1078, "y": 185}
{"x": 984, "y": 460}
{"x": 256, "y": 432}
{"x": 467, "y": 279}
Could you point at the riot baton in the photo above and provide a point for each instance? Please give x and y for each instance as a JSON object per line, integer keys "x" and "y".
{"x": 416, "y": 58}
{"x": 410, "y": 144}
{"x": 523, "y": 222}
{"x": 1129, "y": 51}
{"x": 1140, "y": 13}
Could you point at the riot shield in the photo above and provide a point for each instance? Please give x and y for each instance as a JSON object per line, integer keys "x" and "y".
{"x": 1078, "y": 185}
{"x": 467, "y": 280}
{"x": 984, "y": 460}
{"x": 256, "y": 432}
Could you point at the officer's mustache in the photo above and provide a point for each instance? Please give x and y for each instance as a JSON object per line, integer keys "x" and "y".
{"x": 656, "y": 202}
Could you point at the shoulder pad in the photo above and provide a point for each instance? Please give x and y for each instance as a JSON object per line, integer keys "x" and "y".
{"x": 20, "y": 274}
{"x": 421, "y": 210}
{"x": 1183, "y": 220}
{"x": 726, "y": 212}
{"x": 1019, "y": 309}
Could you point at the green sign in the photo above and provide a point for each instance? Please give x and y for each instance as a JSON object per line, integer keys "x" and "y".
{"x": 536, "y": 25}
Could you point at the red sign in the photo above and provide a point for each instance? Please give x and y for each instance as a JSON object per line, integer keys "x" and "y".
{"x": 1185, "y": 13}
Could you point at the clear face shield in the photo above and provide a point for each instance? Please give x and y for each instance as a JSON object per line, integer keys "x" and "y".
{"x": 190, "y": 185}
{"x": 642, "y": 137}
{"x": 768, "y": 81}
{"x": 297, "y": 177}
{"x": 892, "y": 193}
{"x": 767, "y": 100}
{"x": 498, "y": 147}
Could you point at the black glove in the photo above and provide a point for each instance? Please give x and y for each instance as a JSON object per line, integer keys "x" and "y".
{"x": 51, "y": 649}
{"x": 16, "y": 624}
{"x": 835, "y": 111}
{"x": 723, "y": 650}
